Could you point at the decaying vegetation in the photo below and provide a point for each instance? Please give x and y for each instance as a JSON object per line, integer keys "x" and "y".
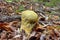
{"x": 45, "y": 18}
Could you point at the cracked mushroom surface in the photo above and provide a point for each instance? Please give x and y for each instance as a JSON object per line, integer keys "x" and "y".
{"x": 28, "y": 20}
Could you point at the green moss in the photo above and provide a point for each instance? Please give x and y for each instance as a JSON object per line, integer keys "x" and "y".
{"x": 58, "y": 27}
{"x": 52, "y": 3}
{"x": 9, "y": 1}
{"x": 20, "y": 9}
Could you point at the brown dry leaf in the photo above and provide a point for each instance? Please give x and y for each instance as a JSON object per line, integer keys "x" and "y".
{"x": 55, "y": 17}
{"x": 57, "y": 23}
{"x": 2, "y": 5}
{"x": 39, "y": 28}
{"x": 7, "y": 26}
{"x": 50, "y": 27}
{"x": 9, "y": 9}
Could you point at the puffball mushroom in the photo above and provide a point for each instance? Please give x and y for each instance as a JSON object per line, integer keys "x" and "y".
{"x": 28, "y": 20}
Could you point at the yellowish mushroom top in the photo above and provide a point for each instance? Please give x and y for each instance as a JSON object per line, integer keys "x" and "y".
{"x": 30, "y": 15}
{"x": 29, "y": 19}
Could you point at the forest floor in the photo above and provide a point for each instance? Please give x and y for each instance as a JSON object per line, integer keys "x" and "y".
{"x": 10, "y": 21}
